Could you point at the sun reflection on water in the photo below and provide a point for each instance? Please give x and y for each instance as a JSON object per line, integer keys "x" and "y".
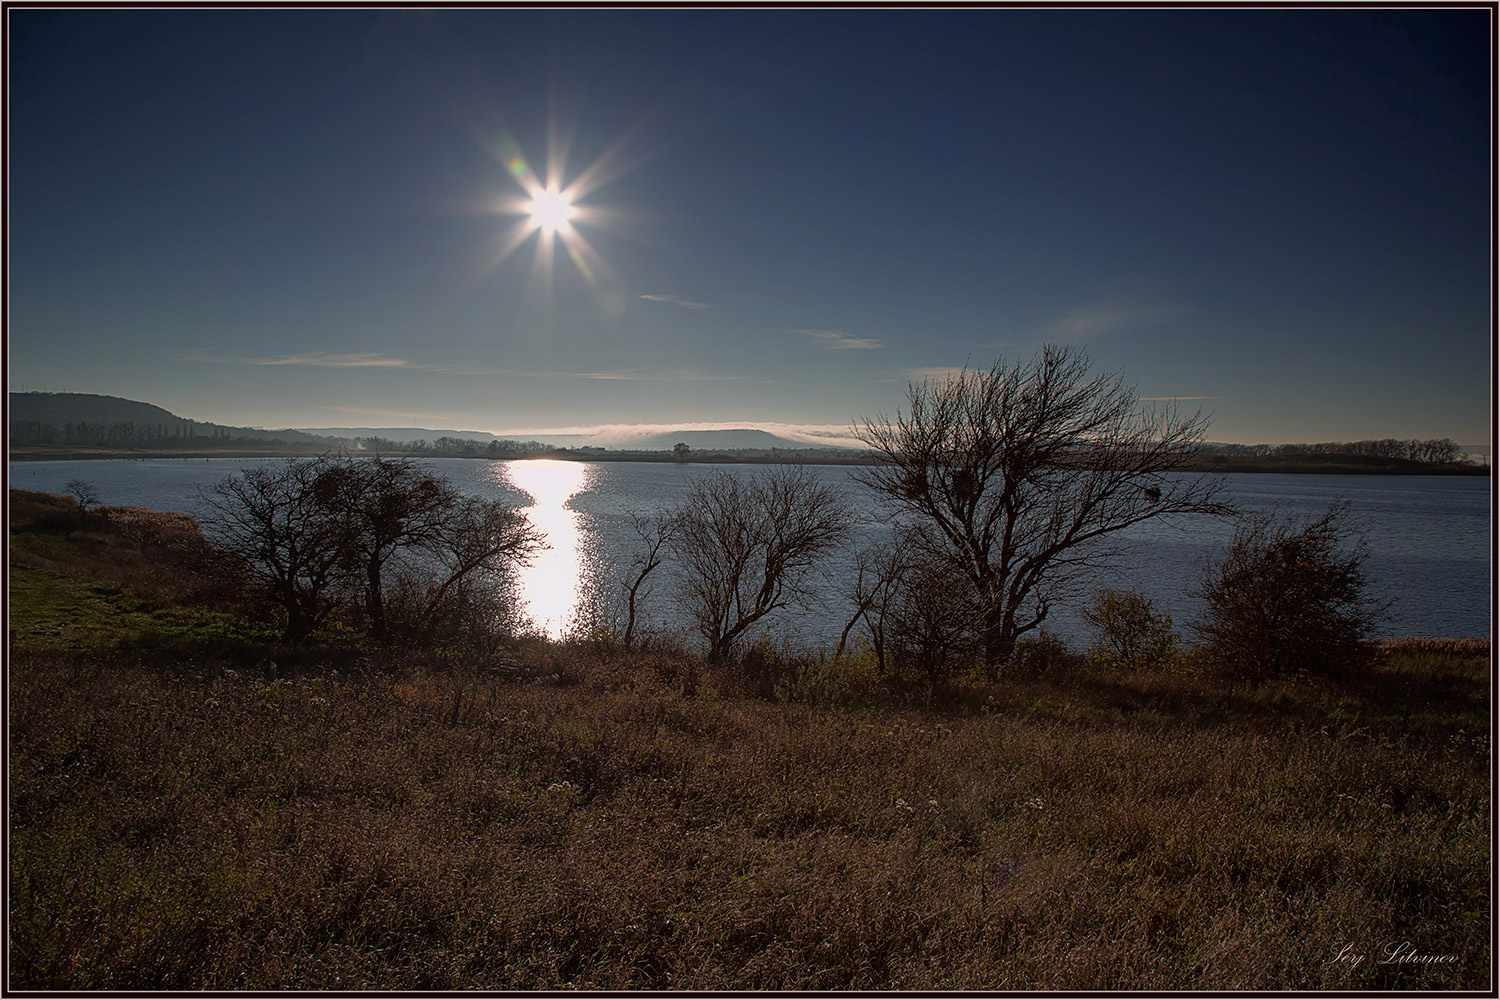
{"x": 550, "y": 585}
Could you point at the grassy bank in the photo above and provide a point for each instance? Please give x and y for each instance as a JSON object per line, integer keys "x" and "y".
{"x": 194, "y": 806}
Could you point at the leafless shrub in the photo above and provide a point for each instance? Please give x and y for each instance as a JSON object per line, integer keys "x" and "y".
{"x": 1290, "y": 598}
{"x": 933, "y": 618}
{"x": 879, "y": 574}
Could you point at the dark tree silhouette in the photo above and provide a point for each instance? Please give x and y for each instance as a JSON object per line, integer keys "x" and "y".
{"x": 1023, "y": 471}
{"x": 310, "y": 528}
{"x": 480, "y": 542}
{"x": 270, "y": 516}
{"x": 384, "y": 506}
{"x": 85, "y": 492}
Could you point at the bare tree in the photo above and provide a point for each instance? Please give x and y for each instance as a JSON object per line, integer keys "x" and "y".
{"x": 1024, "y": 470}
{"x": 384, "y": 507}
{"x": 656, "y": 534}
{"x": 271, "y": 517}
{"x": 1439, "y": 450}
{"x": 85, "y": 492}
{"x": 745, "y": 547}
{"x": 876, "y": 570}
{"x": 303, "y": 526}
{"x": 477, "y": 545}
{"x": 880, "y": 573}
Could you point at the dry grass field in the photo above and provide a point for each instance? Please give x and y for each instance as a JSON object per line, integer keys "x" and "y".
{"x": 193, "y": 806}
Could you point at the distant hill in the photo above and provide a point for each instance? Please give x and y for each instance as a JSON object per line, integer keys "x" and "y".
{"x": 71, "y": 407}
{"x": 743, "y": 439}
{"x": 63, "y": 408}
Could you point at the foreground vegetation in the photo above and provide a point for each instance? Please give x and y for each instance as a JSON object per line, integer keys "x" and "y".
{"x": 195, "y": 805}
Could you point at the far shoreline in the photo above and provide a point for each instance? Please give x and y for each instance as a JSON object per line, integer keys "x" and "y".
{"x": 1297, "y": 464}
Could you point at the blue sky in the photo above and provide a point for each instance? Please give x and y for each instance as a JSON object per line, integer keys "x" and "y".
{"x": 296, "y": 217}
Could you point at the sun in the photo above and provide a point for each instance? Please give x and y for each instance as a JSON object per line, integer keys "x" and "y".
{"x": 550, "y": 211}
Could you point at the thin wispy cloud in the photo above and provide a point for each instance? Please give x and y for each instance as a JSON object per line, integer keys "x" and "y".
{"x": 680, "y": 301}
{"x": 838, "y": 340}
{"x": 322, "y": 359}
{"x": 315, "y": 359}
{"x": 622, "y": 375}
{"x": 682, "y": 375}
{"x": 1081, "y": 324}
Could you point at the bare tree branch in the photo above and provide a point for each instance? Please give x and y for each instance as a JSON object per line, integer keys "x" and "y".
{"x": 656, "y": 534}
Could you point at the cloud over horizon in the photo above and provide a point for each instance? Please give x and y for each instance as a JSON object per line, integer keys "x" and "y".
{"x": 378, "y": 413}
{"x": 827, "y": 435}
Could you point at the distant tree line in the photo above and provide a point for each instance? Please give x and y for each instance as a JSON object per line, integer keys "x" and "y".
{"x": 119, "y": 433}
{"x": 187, "y": 433}
{"x": 1438, "y": 450}
{"x": 456, "y": 447}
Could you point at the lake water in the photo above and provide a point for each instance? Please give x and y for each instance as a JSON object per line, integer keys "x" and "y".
{"x": 1429, "y": 536}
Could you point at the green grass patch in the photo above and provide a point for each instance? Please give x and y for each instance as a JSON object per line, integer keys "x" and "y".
{"x": 49, "y": 611}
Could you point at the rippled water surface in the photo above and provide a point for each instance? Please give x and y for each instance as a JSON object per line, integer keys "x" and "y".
{"x": 1429, "y": 536}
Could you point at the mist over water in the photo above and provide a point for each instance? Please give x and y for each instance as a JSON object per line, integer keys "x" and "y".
{"x": 1428, "y": 536}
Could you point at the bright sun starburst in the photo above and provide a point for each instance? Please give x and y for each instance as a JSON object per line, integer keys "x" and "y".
{"x": 550, "y": 211}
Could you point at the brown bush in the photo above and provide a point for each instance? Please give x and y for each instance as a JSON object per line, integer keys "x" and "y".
{"x": 1290, "y": 598}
